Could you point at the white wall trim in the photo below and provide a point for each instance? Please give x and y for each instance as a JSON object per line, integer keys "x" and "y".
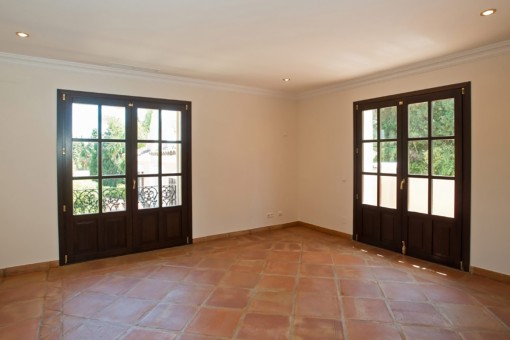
{"x": 420, "y": 67}
{"x": 139, "y": 73}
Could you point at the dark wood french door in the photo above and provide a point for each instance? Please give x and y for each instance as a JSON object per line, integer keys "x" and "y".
{"x": 412, "y": 173}
{"x": 124, "y": 174}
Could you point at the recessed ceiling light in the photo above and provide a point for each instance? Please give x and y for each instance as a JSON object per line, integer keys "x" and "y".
{"x": 22, "y": 34}
{"x": 488, "y": 12}
{"x": 286, "y": 80}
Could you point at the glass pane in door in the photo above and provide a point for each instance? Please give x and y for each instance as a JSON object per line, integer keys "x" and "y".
{"x": 113, "y": 122}
{"x": 418, "y": 195}
{"x": 147, "y": 158}
{"x": 84, "y": 159}
{"x": 389, "y": 157}
{"x": 443, "y": 197}
{"x": 369, "y": 190}
{"x": 388, "y": 122}
{"x": 443, "y": 157}
{"x": 418, "y": 157}
{"x": 388, "y": 192}
{"x": 148, "y": 192}
{"x": 369, "y": 119}
{"x": 171, "y": 191}
{"x": 148, "y": 124}
{"x": 114, "y": 158}
{"x": 443, "y": 118}
{"x": 85, "y": 120}
{"x": 418, "y": 118}
{"x": 369, "y": 157}
{"x": 171, "y": 158}
{"x": 170, "y": 125}
{"x": 114, "y": 194}
{"x": 85, "y": 196}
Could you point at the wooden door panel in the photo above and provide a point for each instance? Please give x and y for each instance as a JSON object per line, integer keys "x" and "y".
{"x": 442, "y": 239}
{"x": 173, "y": 224}
{"x": 419, "y": 231}
{"x": 390, "y": 227}
{"x": 370, "y": 225}
{"x": 148, "y": 228}
{"x": 85, "y": 232}
{"x": 116, "y": 232}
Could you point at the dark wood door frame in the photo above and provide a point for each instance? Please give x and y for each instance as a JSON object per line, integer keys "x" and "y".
{"x": 64, "y": 151}
{"x": 463, "y": 132}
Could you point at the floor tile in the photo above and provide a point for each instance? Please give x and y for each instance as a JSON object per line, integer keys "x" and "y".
{"x": 264, "y": 326}
{"x": 417, "y": 313}
{"x": 391, "y": 274}
{"x": 366, "y": 309}
{"x": 25, "y": 330}
{"x": 215, "y": 322}
{"x": 250, "y": 266}
{"x": 240, "y": 279}
{"x": 503, "y": 313}
{"x": 315, "y": 284}
{"x": 206, "y": 277}
{"x": 317, "y": 329}
{"x": 348, "y": 260}
{"x": 353, "y": 272}
{"x": 317, "y": 257}
{"x": 114, "y": 285}
{"x": 484, "y": 335}
{"x": 284, "y": 256}
{"x": 276, "y": 282}
{"x": 169, "y": 317}
{"x": 188, "y": 294}
{"x": 147, "y": 334}
{"x": 138, "y": 272}
{"x": 281, "y": 268}
{"x": 298, "y": 282}
{"x": 272, "y": 302}
{"x": 287, "y": 246}
{"x": 254, "y": 255}
{"x": 471, "y": 316}
{"x": 30, "y": 291}
{"x": 87, "y": 304}
{"x": 427, "y": 333}
{"x": 318, "y": 305}
{"x": 170, "y": 273}
{"x": 316, "y": 270}
{"x": 360, "y": 288}
{"x": 229, "y": 298}
{"x": 150, "y": 289}
{"x": 442, "y": 294}
{"x": 94, "y": 329}
{"x": 403, "y": 291}
{"x": 371, "y": 330}
{"x": 216, "y": 263}
{"x": 125, "y": 310}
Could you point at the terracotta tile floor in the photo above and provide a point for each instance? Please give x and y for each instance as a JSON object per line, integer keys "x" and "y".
{"x": 294, "y": 283}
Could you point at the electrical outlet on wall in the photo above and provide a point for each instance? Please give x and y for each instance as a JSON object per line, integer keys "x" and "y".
{"x": 270, "y": 215}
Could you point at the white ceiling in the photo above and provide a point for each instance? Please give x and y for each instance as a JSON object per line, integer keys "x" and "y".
{"x": 252, "y": 43}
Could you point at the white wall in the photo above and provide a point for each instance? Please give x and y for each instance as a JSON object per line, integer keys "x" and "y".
{"x": 243, "y": 154}
{"x": 251, "y": 154}
{"x": 325, "y": 153}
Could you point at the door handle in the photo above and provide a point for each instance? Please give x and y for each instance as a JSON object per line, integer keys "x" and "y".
{"x": 134, "y": 184}
{"x": 402, "y": 183}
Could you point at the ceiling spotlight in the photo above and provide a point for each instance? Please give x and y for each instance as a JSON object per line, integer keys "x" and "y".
{"x": 286, "y": 80}
{"x": 488, "y": 12}
{"x": 22, "y": 34}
